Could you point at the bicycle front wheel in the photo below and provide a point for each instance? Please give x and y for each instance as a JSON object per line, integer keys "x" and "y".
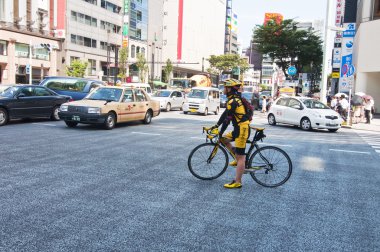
{"x": 208, "y": 161}
{"x": 270, "y": 166}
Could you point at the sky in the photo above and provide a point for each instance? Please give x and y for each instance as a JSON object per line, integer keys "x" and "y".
{"x": 251, "y": 12}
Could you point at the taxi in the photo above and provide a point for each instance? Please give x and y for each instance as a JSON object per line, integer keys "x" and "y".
{"x": 108, "y": 105}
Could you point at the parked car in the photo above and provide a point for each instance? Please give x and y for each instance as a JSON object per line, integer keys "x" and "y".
{"x": 29, "y": 101}
{"x": 202, "y": 100}
{"x": 145, "y": 86}
{"x": 109, "y": 105}
{"x": 305, "y": 112}
{"x": 4, "y": 87}
{"x": 77, "y": 88}
{"x": 169, "y": 99}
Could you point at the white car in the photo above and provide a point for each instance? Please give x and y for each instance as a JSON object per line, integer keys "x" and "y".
{"x": 169, "y": 99}
{"x": 305, "y": 112}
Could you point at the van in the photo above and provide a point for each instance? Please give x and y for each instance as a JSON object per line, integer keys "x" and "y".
{"x": 77, "y": 88}
{"x": 202, "y": 100}
{"x": 146, "y": 87}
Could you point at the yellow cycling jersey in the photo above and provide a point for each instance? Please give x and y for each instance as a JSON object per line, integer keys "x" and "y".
{"x": 239, "y": 111}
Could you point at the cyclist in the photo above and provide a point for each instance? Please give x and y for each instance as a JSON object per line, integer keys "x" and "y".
{"x": 236, "y": 113}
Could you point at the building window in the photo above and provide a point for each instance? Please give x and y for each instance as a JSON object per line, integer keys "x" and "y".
{"x": 73, "y": 39}
{"x": 94, "y": 22}
{"x": 93, "y": 43}
{"x": 73, "y": 16}
{"x": 133, "y": 51}
{"x": 80, "y": 17}
{"x": 139, "y": 15}
{"x": 22, "y": 50}
{"x": 137, "y": 50}
{"x": 103, "y": 45}
{"x": 3, "y": 47}
{"x": 376, "y": 11}
{"x": 72, "y": 58}
{"x": 94, "y": 2}
{"x": 87, "y": 20}
{"x": 110, "y": 6}
{"x": 91, "y": 67}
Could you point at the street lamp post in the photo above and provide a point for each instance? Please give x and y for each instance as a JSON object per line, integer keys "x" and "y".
{"x": 323, "y": 86}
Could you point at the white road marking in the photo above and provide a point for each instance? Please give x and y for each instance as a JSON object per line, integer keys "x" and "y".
{"x": 361, "y": 152}
{"x": 45, "y": 124}
{"x": 143, "y": 133}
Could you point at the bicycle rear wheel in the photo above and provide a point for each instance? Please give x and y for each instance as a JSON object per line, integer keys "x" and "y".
{"x": 205, "y": 164}
{"x": 270, "y": 166}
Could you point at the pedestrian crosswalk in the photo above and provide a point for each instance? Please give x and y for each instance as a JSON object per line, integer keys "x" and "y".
{"x": 373, "y": 139}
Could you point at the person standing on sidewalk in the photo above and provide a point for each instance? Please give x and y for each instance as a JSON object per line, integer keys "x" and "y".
{"x": 367, "y": 110}
{"x": 345, "y": 106}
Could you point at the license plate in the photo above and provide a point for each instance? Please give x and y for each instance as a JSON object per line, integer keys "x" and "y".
{"x": 75, "y": 118}
{"x": 193, "y": 110}
{"x": 332, "y": 125}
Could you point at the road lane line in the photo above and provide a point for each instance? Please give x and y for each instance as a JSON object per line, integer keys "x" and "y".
{"x": 378, "y": 151}
{"x": 143, "y": 133}
{"x": 360, "y": 152}
{"x": 45, "y": 124}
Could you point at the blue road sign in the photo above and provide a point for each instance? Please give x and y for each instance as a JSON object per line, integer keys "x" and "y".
{"x": 292, "y": 70}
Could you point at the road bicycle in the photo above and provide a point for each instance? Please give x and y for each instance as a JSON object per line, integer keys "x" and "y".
{"x": 269, "y": 166}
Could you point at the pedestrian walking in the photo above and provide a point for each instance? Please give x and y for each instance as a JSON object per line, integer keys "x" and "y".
{"x": 334, "y": 103}
{"x": 367, "y": 109}
{"x": 264, "y": 105}
{"x": 344, "y": 107}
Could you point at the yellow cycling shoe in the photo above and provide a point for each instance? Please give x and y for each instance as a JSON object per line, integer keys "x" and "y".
{"x": 233, "y": 185}
{"x": 233, "y": 163}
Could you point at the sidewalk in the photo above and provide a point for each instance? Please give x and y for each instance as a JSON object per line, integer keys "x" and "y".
{"x": 374, "y": 126}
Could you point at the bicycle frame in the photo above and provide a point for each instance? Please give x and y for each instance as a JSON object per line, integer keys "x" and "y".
{"x": 252, "y": 147}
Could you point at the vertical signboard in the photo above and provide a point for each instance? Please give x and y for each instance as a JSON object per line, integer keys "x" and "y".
{"x": 339, "y": 12}
{"x": 347, "y": 69}
{"x": 126, "y": 24}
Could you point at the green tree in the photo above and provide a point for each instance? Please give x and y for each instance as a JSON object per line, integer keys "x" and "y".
{"x": 168, "y": 70}
{"x": 287, "y": 45}
{"x": 77, "y": 68}
{"x": 142, "y": 66}
{"x": 227, "y": 62}
{"x": 123, "y": 58}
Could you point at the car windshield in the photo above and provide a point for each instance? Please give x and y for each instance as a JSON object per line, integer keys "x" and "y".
{"x": 313, "y": 104}
{"x": 106, "y": 94}
{"x": 197, "y": 93}
{"x": 162, "y": 94}
{"x": 10, "y": 92}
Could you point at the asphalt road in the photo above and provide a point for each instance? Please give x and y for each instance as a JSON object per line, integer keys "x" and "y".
{"x": 129, "y": 189}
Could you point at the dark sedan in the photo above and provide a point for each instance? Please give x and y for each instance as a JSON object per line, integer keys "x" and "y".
{"x": 30, "y": 101}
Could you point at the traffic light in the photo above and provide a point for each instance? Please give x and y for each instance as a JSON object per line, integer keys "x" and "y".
{"x": 46, "y": 46}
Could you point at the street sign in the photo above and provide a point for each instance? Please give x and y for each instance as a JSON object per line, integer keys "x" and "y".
{"x": 27, "y": 69}
{"x": 335, "y": 75}
{"x": 292, "y": 70}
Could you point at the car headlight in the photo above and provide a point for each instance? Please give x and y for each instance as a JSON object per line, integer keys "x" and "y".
{"x": 64, "y": 108}
{"x": 93, "y": 110}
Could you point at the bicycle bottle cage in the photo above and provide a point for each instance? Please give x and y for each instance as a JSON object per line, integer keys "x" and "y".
{"x": 259, "y": 135}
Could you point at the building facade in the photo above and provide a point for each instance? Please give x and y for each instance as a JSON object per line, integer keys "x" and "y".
{"x": 191, "y": 33}
{"x": 92, "y": 31}
{"x": 366, "y": 49}
{"x": 28, "y": 40}
{"x": 155, "y": 30}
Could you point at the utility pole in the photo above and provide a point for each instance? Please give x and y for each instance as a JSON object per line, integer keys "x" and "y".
{"x": 30, "y": 62}
{"x": 116, "y": 65}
